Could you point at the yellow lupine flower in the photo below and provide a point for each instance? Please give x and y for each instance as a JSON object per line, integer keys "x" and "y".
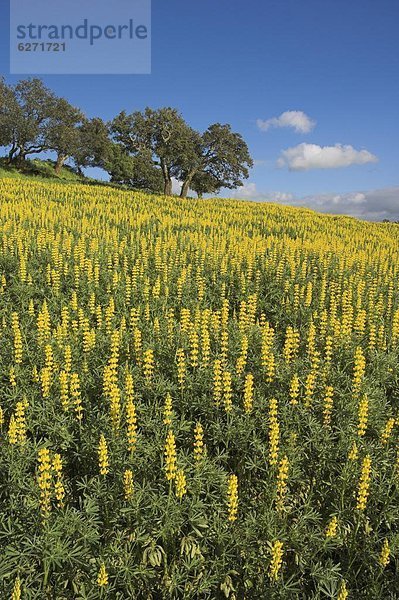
{"x": 59, "y": 489}
{"x": 276, "y": 561}
{"x": 131, "y": 422}
{"x": 194, "y": 348}
{"x": 12, "y": 377}
{"x": 343, "y": 592}
{"x": 76, "y": 396}
{"x": 331, "y": 529}
{"x": 44, "y": 479}
{"x": 170, "y": 456}
{"x": 294, "y": 389}
{"x": 148, "y": 364}
{"x": 364, "y": 483}
{"x": 64, "y": 390}
{"x": 387, "y": 431}
{"x": 384, "y": 554}
{"x": 232, "y": 497}
{"x": 359, "y": 368}
{"x": 128, "y": 484}
{"x": 12, "y": 431}
{"x": 168, "y": 411}
{"x": 17, "y": 338}
{"x": 248, "y": 393}
{"x": 363, "y": 412}
{"x": 309, "y": 388}
{"x": 274, "y": 432}
{"x": 20, "y": 419}
{"x": 181, "y": 484}
{"x": 217, "y": 381}
{"x": 199, "y": 446}
{"x": 103, "y": 461}
{"x": 353, "y": 452}
{"x": 102, "y": 577}
{"x": 16, "y": 591}
{"x": 115, "y": 406}
{"x": 328, "y": 404}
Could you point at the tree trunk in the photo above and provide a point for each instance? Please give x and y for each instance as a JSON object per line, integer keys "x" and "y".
{"x": 185, "y": 188}
{"x": 186, "y": 184}
{"x": 167, "y": 188}
{"x": 61, "y": 158}
{"x": 11, "y": 154}
{"x": 167, "y": 180}
{"x": 20, "y": 158}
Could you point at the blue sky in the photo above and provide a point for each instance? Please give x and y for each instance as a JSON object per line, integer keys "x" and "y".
{"x": 248, "y": 62}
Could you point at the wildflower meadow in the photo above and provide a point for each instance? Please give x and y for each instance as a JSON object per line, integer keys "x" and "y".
{"x": 199, "y": 399}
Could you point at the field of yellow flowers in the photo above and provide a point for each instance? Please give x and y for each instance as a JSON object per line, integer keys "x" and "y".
{"x": 199, "y": 399}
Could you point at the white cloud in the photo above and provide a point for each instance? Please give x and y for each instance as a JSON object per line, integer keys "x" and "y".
{"x": 311, "y": 156}
{"x": 249, "y": 191}
{"x": 296, "y": 119}
{"x": 176, "y": 186}
{"x": 371, "y": 205}
{"x": 284, "y": 197}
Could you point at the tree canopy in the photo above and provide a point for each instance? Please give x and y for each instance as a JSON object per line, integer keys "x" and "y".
{"x": 144, "y": 149}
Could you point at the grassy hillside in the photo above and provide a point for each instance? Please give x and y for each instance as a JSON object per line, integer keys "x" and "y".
{"x": 39, "y": 169}
{"x": 199, "y": 399}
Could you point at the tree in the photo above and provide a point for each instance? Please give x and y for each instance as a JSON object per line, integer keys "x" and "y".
{"x": 222, "y": 160}
{"x": 62, "y": 134}
{"x": 136, "y": 171}
{"x": 119, "y": 164}
{"x": 164, "y": 133}
{"x": 204, "y": 183}
{"x": 142, "y": 149}
{"x": 30, "y": 115}
{"x": 93, "y": 145}
{"x": 8, "y": 110}
{"x": 96, "y": 149}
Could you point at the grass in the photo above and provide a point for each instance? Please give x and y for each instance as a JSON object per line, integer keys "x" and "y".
{"x": 41, "y": 170}
{"x": 44, "y": 170}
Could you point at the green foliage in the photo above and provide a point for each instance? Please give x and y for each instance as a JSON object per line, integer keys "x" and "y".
{"x": 40, "y": 169}
{"x": 221, "y": 160}
{"x": 144, "y": 150}
{"x": 136, "y": 171}
{"x": 163, "y": 133}
{"x": 28, "y": 112}
{"x": 205, "y": 163}
{"x": 157, "y": 255}
{"x": 62, "y": 134}
{"x": 93, "y": 146}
